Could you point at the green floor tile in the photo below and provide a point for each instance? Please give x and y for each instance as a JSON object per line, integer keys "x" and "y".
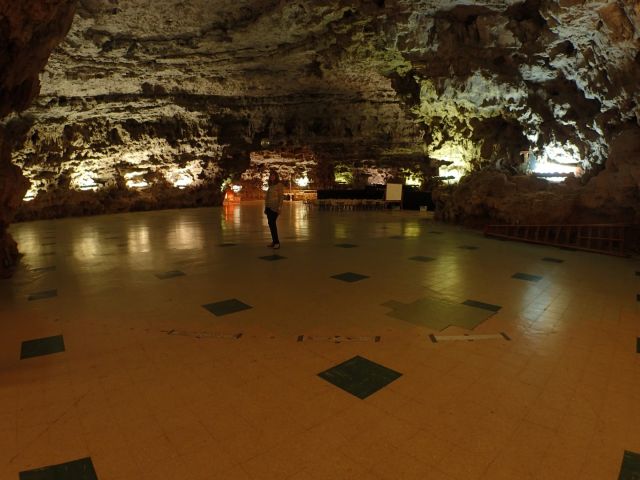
{"x": 439, "y": 314}
{"x": 393, "y": 304}
{"x": 44, "y": 269}
{"x": 486, "y": 306}
{"x": 170, "y": 274}
{"x": 42, "y": 295}
{"x": 226, "y": 307}
{"x": 360, "y": 377}
{"x": 42, "y": 346}
{"x": 526, "y": 276}
{"x": 272, "y": 258}
{"x": 421, "y": 258}
{"x": 349, "y": 277}
{"x": 77, "y": 470}
{"x": 630, "y": 469}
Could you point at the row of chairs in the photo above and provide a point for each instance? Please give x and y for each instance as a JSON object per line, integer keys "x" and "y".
{"x": 344, "y": 204}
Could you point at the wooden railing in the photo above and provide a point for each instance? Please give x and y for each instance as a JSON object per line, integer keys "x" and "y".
{"x": 602, "y": 238}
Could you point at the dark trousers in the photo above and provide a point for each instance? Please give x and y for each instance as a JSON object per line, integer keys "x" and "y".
{"x": 271, "y": 218}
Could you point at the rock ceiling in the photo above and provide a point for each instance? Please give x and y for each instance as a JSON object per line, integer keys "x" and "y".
{"x": 145, "y": 82}
{"x": 157, "y": 92}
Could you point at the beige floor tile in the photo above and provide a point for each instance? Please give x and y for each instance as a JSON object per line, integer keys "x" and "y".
{"x": 506, "y": 470}
{"x": 526, "y": 447}
{"x": 401, "y": 465}
{"x": 560, "y": 400}
{"x": 310, "y": 475}
{"x": 545, "y": 416}
{"x": 465, "y": 462}
{"x": 185, "y": 438}
{"x": 562, "y": 462}
{"x": 245, "y": 445}
{"x": 426, "y": 447}
{"x": 366, "y": 451}
{"x": 275, "y": 464}
{"x": 11, "y": 470}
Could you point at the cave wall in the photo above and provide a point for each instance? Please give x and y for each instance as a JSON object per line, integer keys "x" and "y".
{"x": 29, "y": 31}
{"x": 192, "y": 100}
{"x": 491, "y": 196}
{"x": 159, "y": 104}
{"x": 553, "y": 76}
{"x": 188, "y": 145}
{"x": 561, "y": 71}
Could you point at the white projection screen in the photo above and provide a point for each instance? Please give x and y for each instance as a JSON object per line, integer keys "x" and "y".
{"x": 394, "y": 192}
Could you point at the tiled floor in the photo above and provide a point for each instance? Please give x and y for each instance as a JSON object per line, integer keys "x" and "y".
{"x": 150, "y": 385}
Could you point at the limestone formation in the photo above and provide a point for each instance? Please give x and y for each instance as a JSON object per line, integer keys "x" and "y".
{"x": 13, "y": 185}
{"x": 611, "y": 196}
{"x": 161, "y": 103}
{"x": 29, "y": 30}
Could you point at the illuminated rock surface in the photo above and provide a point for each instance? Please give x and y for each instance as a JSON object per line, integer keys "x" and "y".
{"x": 147, "y": 96}
{"x": 30, "y": 30}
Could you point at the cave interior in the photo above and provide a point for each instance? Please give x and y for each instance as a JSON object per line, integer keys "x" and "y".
{"x": 501, "y": 112}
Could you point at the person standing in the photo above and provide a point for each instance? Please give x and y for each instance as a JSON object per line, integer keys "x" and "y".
{"x": 273, "y": 206}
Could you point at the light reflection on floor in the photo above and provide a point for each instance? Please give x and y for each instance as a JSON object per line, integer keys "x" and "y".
{"x": 152, "y": 385}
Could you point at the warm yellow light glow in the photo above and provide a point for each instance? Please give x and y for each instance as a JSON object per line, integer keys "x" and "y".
{"x": 138, "y": 239}
{"x": 225, "y": 184}
{"x": 182, "y": 181}
{"x": 186, "y": 235}
{"x": 412, "y": 229}
{"x": 265, "y": 181}
{"x": 136, "y": 158}
{"x": 343, "y": 177}
{"x": 84, "y": 182}
{"x": 555, "y": 158}
{"x": 30, "y": 195}
{"x": 232, "y": 219}
{"x": 137, "y": 183}
{"x": 135, "y": 180}
{"x": 130, "y": 175}
{"x": 340, "y": 230}
{"x": 413, "y": 181}
{"x": 452, "y": 175}
{"x": 302, "y": 182}
{"x": 236, "y": 188}
{"x": 379, "y": 176}
{"x": 184, "y": 176}
{"x": 87, "y": 243}
{"x": 456, "y": 156}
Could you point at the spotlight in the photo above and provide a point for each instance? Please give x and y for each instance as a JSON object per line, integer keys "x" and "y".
{"x": 302, "y": 182}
